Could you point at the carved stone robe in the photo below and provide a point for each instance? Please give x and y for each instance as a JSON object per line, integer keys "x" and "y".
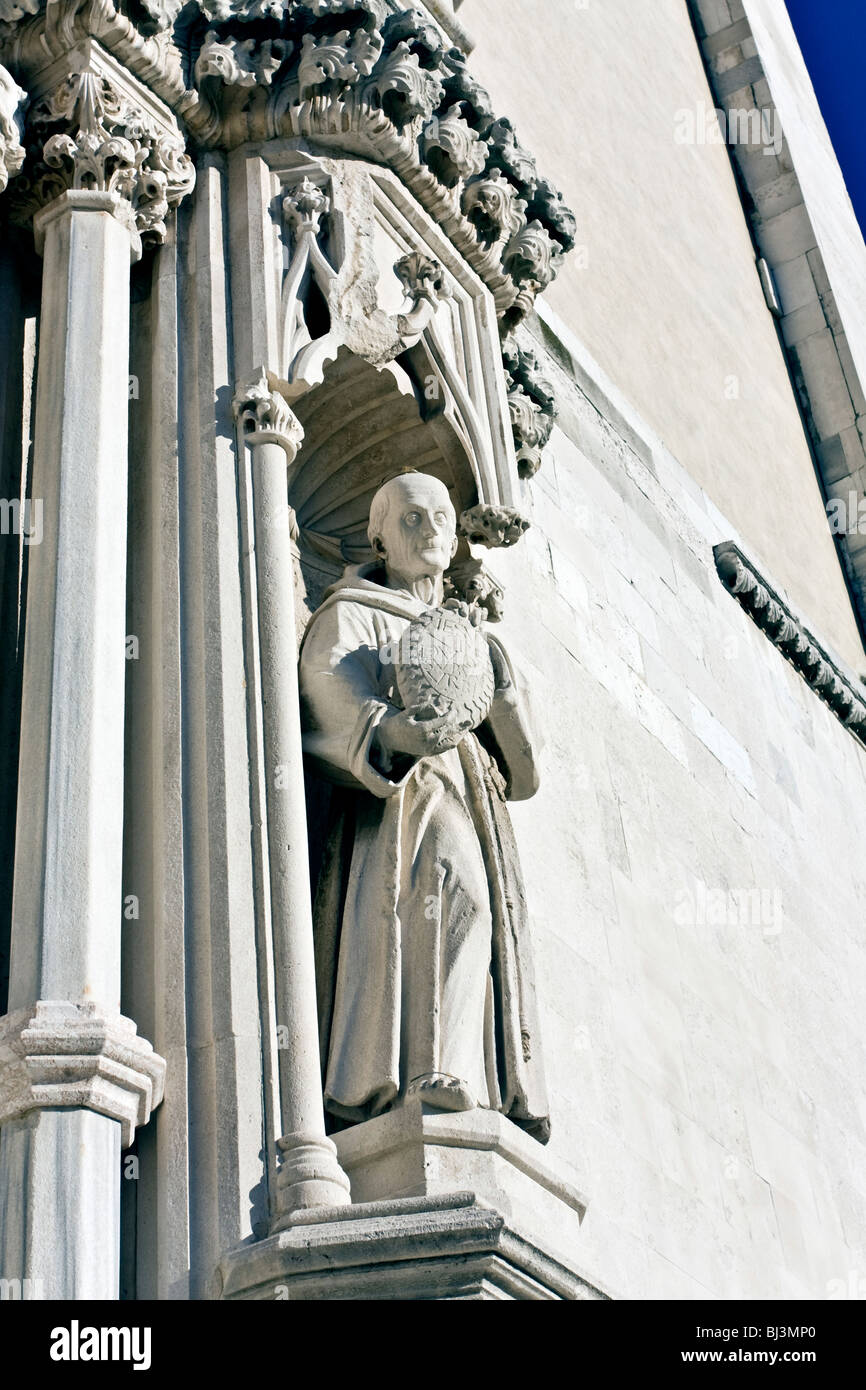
{"x": 422, "y": 951}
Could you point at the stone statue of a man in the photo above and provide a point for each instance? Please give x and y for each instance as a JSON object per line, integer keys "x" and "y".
{"x": 423, "y": 965}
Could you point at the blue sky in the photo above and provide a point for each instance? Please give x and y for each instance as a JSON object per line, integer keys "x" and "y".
{"x": 832, "y": 35}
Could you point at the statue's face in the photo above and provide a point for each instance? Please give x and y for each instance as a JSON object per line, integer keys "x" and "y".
{"x": 419, "y": 533}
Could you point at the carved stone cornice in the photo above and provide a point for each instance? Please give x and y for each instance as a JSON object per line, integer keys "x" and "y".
{"x": 87, "y": 132}
{"x": 841, "y": 691}
{"x": 12, "y": 100}
{"x": 56, "y": 1054}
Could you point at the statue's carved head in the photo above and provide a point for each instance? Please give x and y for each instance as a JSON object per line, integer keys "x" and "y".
{"x": 413, "y": 526}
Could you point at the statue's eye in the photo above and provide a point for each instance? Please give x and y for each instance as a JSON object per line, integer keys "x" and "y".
{"x": 412, "y": 518}
{"x": 441, "y": 518}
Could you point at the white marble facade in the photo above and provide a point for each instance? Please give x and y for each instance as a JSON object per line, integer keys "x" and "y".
{"x": 256, "y": 263}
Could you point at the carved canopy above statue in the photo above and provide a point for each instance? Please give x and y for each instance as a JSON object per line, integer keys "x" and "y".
{"x": 344, "y": 80}
{"x": 349, "y": 75}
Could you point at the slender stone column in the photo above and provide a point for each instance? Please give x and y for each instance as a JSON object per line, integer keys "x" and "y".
{"x": 75, "y": 1078}
{"x": 309, "y": 1174}
{"x": 64, "y": 1043}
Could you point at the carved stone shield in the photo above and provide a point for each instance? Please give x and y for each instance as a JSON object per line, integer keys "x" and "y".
{"x": 444, "y": 668}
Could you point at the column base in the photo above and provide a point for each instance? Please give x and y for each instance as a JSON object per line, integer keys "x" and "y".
{"x": 309, "y": 1177}
{"x": 435, "y": 1248}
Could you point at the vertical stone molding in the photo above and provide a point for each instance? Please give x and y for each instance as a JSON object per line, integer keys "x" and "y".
{"x": 309, "y": 1174}
{"x": 66, "y": 915}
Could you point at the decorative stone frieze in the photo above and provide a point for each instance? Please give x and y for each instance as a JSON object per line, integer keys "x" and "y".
{"x": 347, "y": 76}
{"x": 62, "y": 1055}
{"x": 771, "y": 614}
{"x": 12, "y": 100}
{"x": 393, "y": 91}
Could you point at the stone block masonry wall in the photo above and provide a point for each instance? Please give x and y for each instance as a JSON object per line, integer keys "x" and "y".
{"x": 696, "y": 878}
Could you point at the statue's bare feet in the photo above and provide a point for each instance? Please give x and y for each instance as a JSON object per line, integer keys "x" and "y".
{"x": 441, "y": 1091}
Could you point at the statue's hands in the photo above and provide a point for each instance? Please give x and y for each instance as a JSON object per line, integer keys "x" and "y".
{"x": 401, "y": 734}
{"x": 470, "y": 611}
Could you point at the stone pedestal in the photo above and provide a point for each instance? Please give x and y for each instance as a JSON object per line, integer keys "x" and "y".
{"x": 453, "y": 1247}
{"x": 445, "y": 1206}
{"x": 416, "y": 1151}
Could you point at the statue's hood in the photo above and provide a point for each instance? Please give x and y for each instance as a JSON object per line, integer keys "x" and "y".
{"x": 357, "y": 585}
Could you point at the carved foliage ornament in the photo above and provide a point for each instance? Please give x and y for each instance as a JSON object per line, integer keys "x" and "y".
{"x": 12, "y": 99}
{"x": 477, "y": 594}
{"x": 110, "y": 145}
{"x": 531, "y": 405}
{"x": 302, "y": 356}
{"x": 240, "y": 62}
{"x": 345, "y": 72}
{"x": 373, "y": 65}
{"x": 262, "y": 411}
{"x": 451, "y": 148}
{"x": 492, "y": 526}
{"x": 389, "y": 88}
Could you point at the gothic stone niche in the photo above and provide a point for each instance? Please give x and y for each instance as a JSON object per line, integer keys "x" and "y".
{"x": 389, "y": 358}
{"x": 383, "y": 341}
